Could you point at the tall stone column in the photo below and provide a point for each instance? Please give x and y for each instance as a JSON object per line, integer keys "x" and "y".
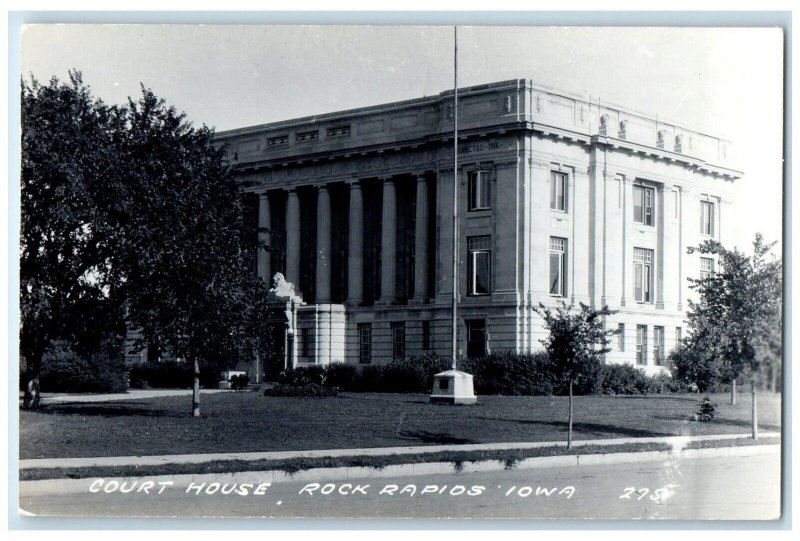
{"x": 263, "y": 237}
{"x": 388, "y": 242}
{"x": 323, "y": 246}
{"x": 421, "y": 242}
{"x": 355, "y": 250}
{"x": 627, "y": 244}
{"x": 293, "y": 239}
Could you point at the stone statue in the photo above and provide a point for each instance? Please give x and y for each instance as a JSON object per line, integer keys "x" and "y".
{"x": 280, "y": 286}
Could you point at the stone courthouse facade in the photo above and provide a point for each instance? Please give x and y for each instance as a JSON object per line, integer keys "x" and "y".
{"x": 560, "y": 199}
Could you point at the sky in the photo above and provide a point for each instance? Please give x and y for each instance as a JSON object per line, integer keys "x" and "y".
{"x": 722, "y": 81}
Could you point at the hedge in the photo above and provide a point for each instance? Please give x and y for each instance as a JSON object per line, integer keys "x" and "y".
{"x": 497, "y": 374}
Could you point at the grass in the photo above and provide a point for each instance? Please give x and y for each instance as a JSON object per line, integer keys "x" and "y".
{"x": 508, "y": 457}
{"x": 243, "y": 422}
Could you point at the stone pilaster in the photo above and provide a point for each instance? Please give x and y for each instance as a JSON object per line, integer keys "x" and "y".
{"x": 263, "y": 259}
{"x": 421, "y": 242}
{"x": 293, "y": 239}
{"x": 355, "y": 251}
{"x": 388, "y": 242}
{"x": 323, "y": 283}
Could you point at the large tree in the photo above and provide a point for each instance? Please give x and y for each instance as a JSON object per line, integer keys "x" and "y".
{"x": 70, "y": 170}
{"x": 577, "y": 342}
{"x": 190, "y": 286}
{"x": 739, "y": 306}
{"x": 131, "y": 214}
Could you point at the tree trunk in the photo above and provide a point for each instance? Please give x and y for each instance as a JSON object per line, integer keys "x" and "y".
{"x": 196, "y": 390}
{"x": 773, "y": 380}
{"x": 733, "y": 392}
{"x": 755, "y": 411}
{"x": 569, "y": 433}
{"x": 33, "y": 366}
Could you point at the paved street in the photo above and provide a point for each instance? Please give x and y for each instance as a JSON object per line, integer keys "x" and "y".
{"x": 707, "y": 488}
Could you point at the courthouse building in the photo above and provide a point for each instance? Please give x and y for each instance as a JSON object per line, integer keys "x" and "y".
{"x": 560, "y": 198}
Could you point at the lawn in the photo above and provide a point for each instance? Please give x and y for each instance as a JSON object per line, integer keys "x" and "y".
{"x": 242, "y": 422}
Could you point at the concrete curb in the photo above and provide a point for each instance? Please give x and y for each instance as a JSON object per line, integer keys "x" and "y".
{"x": 156, "y": 460}
{"x": 256, "y": 478}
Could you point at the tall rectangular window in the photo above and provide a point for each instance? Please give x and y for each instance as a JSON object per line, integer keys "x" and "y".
{"x": 621, "y": 337}
{"x": 641, "y": 344}
{"x": 304, "y": 342}
{"x": 643, "y": 275}
{"x": 398, "y": 340}
{"x": 558, "y": 191}
{"x": 707, "y": 218}
{"x": 426, "y": 334}
{"x": 365, "y": 343}
{"x": 706, "y": 267}
{"x": 658, "y": 346}
{"x": 558, "y": 266}
{"x": 678, "y": 336}
{"x": 644, "y": 205}
{"x": 476, "y": 337}
{"x": 479, "y": 265}
{"x": 478, "y": 190}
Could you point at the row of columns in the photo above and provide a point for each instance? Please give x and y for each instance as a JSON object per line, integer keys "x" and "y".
{"x": 355, "y": 258}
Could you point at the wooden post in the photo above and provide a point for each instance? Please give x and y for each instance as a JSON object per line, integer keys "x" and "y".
{"x": 569, "y": 433}
{"x": 755, "y": 410}
{"x": 196, "y": 390}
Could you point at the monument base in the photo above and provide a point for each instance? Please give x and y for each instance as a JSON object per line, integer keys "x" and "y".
{"x": 453, "y": 387}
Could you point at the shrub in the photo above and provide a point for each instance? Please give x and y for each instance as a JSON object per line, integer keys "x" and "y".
{"x": 102, "y": 371}
{"x": 706, "y": 410}
{"x": 623, "y": 379}
{"x": 511, "y": 374}
{"x": 172, "y": 374}
{"x": 411, "y": 375}
{"x": 239, "y": 382}
{"x": 303, "y": 375}
{"x": 341, "y": 375}
{"x": 312, "y": 390}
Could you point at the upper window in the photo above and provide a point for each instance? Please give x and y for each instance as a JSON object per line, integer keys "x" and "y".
{"x": 707, "y": 218}
{"x": 478, "y": 188}
{"x": 558, "y": 191}
{"x": 643, "y": 274}
{"x": 621, "y": 337}
{"x": 706, "y": 267}
{"x": 480, "y": 265}
{"x": 558, "y": 266}
{"x": 644, "y": 205}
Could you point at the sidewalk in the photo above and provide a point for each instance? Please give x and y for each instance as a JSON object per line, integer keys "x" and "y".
{"x": 677, "y": 442}
{"x": 133, "y": 394}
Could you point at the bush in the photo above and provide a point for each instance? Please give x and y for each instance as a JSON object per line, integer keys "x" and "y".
{"x": 511, "y": 374}
{"x": 341, "y": 375}
{"x": 102, "y": 371}
{"x": 623, "y": 379}
{"x": 411, "y": 375}
{"x": 303, "y": 375}
{"x": 172, "y": 374}
{"x": 312, "y": 390}
{"x": 239, "y": 382}
{"x": 706, "y": 410}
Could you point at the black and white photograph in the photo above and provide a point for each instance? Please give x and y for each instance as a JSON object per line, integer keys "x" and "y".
{"x": 400, "y": 272}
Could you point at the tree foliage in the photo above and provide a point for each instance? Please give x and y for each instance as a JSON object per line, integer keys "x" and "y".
{"x": 67, "y": 249}
{"x": 577, "y": 342}
{"x": 132, "y": 208}
{"x": 734, "y": 324}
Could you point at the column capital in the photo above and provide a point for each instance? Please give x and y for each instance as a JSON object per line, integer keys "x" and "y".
{"x": 421, "y": 177}
{"x": 355, "y": 183}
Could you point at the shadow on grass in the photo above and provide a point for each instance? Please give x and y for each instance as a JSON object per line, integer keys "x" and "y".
{"x": 433, "y": 437}
{"x": 747, "y": 424}
{"x": 107, "y": 409}
{"x": 587, "y": 428}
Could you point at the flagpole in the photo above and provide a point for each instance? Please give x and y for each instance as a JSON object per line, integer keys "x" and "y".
{"x": 455, "y": 198}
